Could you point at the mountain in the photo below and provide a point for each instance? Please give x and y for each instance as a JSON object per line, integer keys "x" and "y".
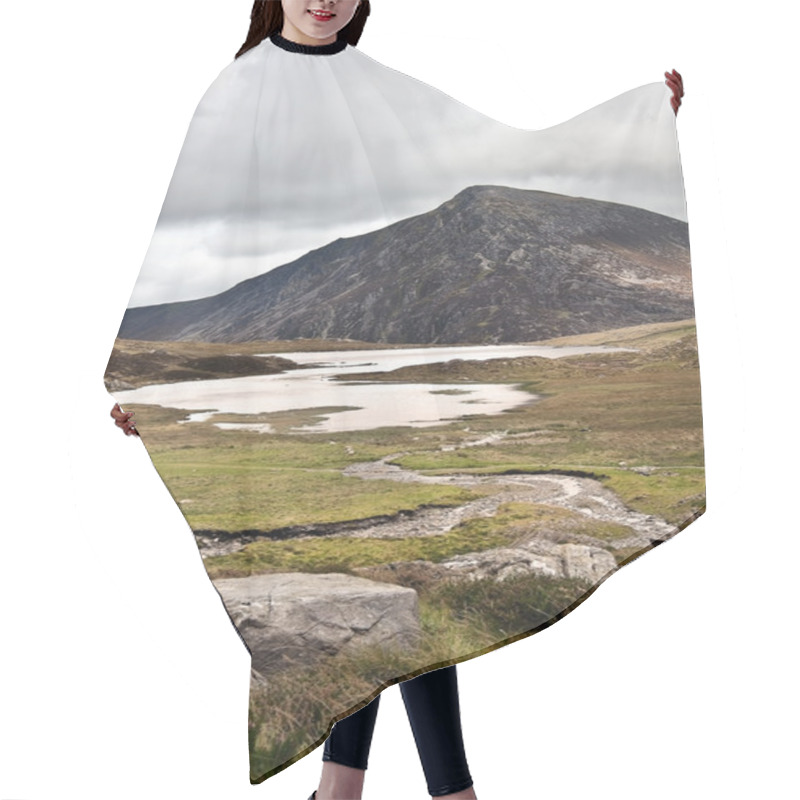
{"x": 493, "y": 264}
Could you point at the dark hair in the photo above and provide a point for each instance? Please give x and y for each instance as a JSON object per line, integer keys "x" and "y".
{"x": 266, "y": 18}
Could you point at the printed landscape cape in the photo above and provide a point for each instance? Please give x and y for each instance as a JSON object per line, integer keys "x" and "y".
{"x": 419, "y": 381}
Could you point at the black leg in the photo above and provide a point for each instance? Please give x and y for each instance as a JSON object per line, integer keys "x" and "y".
{"x": 433, "y": 710}
{"x": 351, "y": 737}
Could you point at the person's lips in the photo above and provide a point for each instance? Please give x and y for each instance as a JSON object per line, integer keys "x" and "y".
{"x": 323, "y": 16}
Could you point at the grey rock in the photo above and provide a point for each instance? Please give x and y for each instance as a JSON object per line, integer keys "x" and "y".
{"x": 538, "y": 556}
{"x": 589, "y": 563}
{"x": 287, "y": 618}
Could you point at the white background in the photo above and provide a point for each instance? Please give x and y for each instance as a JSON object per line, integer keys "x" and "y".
{"x": 120, "y": 674}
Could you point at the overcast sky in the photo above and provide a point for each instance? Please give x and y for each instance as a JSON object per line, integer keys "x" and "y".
{"x": 287, "y": 152}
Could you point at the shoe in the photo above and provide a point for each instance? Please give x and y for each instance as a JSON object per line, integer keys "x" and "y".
{"x": 313, "y": 795}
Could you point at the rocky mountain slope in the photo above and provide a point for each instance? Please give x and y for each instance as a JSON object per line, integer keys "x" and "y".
{"x": 491, "y": 265}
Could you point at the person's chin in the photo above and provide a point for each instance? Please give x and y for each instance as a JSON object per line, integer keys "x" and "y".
{"x": 314, "y": 32}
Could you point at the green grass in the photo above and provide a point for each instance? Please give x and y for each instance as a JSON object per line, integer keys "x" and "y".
{"x": 603, "y": 414}
{"x": 508, "y": 608}
{"x": 673, "y": 494}
{"x": 222, "y": 499}
{"x": 344, "y": 554}
{"x": 512, "y": 523}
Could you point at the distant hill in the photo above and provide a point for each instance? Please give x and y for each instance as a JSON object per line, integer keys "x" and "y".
{"x": 493, "y": 264}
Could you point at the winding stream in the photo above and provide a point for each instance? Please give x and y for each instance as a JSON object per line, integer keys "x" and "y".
{"x": 585, "y": 496}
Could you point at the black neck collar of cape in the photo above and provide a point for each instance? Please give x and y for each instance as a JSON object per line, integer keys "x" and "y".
{"x": 308, "y": 49}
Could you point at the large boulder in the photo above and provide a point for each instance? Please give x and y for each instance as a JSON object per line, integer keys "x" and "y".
{"x": 289, "y": 618}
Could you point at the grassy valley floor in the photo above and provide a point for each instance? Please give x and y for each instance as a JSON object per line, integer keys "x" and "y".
{"x": 630, "y": 421}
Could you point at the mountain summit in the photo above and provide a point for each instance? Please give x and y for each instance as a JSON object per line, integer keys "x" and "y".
{"x": 491, "y": 265}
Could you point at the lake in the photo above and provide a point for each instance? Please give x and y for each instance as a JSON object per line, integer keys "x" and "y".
{"x": 361, "y": 405}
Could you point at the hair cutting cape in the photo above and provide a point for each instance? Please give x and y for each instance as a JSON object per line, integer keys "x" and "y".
{"x": 419, "y": 381}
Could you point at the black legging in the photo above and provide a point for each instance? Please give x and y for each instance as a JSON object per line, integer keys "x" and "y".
{"x": 431, "y": 701}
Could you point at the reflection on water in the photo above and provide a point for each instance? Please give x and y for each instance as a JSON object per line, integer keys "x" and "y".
{"x": 369, "y": 404}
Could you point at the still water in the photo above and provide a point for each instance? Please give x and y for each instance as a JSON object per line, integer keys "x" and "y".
{"x": 359, "y": 405}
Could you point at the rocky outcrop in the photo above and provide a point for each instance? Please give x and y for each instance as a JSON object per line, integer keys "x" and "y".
{"x": 287, "y": 618}
{"x": 539, "y": 557}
